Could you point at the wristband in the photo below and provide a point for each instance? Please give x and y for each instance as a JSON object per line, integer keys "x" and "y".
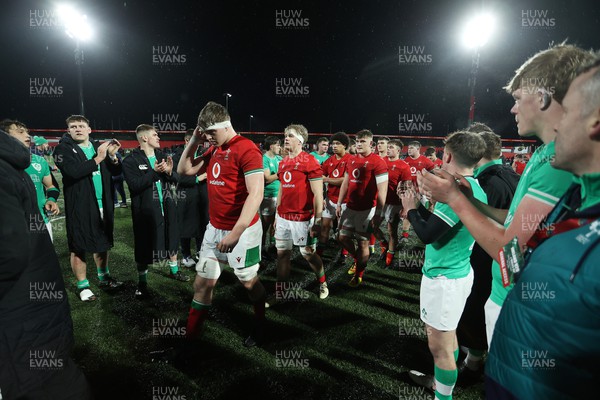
{"x": 52, "y": 194}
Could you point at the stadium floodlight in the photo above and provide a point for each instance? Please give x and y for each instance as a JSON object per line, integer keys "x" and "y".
{"x": 77, "y": 27}
{"x": 475, "y": 34}
{"x": 478, "y": 30}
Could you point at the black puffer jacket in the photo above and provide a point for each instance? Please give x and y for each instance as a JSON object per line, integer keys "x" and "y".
{"x": 35, "y": 321}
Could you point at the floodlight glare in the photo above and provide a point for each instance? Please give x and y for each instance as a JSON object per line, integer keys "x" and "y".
{"x": 77, "y": 26}
{"x": 478, "y": 30}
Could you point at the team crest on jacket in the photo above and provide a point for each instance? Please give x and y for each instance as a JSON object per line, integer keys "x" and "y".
{"x": 143, "y": 167}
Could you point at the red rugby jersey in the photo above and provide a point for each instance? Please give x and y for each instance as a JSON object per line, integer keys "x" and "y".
{"x": 398, "y": 171}
{"x": 228, "y": 166}
{"x": 418, "y": 164}
{"x": 295, "y": 175}
{"x": 335, "y": 168}
{"x": 362, "y": 184}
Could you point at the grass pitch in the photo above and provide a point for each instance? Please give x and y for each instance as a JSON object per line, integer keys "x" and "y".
{"x": 356, "y": 344}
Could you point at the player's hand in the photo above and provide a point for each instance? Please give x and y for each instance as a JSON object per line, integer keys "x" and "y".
{"x": 440, "y": 185}
{"x": 338, "y": 211}
{"x": 169, "y": 165}
{"x": 402, "y": 186}
{"x": 198, "y": 136}
{"x": 409, "y": 200}
{"x": 228, "y": 243}
{"x": 113, "y": 146}
{"x": 101, "y": 152}
{"x": 51, "y": 207}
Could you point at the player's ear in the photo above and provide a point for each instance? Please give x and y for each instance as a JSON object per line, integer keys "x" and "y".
{"x": 447, "y": 157}
{"x": 593, "y": 125}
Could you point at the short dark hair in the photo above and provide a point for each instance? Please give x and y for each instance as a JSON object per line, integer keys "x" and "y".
{"x": 364, "y": 133}
{"x": 466, "y": 147}
{"x": 6, "y": 123}
{"x": 387, "y": 139}
{"x": 415, "y": 143}
{"x": 270, "y": 141}
{"x": 493, "y": 145}
{"x": 322, "y": 139}
{"x": 188, "y": 134}
{"x": 77, "y": 118}
{"x": 396, "y": 142}
{"x": 342, "y": 138}
{"x": 430, "y": 151}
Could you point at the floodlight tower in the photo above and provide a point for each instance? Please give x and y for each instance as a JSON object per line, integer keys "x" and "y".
{"x": 77, "y": 27}
{"x": 476, "y": 34}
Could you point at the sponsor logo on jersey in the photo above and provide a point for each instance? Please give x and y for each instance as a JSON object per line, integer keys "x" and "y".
{"x": 216, "y": 171}
{"x": 287, "y": 178}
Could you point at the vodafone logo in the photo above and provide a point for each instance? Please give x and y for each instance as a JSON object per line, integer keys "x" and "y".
{"x": 356, "y": 173}
{"x": 413, "y": 170}
{"x": 287, "y": 176}
{"x": 216, "y": 170}
{"x": 335, "y": 173}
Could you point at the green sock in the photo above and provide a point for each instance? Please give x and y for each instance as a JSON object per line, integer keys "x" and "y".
{"x": 84, "y": 284}
{"x": 103, "y": 273}
{"x": 143, "y": 277}
{"x": 456, "y": 355}
{"x": 173, "y": 266}
{"x": 196, "y": 305}
{"x": 444, "y": 382}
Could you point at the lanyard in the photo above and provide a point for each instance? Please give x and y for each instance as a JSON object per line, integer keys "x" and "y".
{"x": 546, "y": 231}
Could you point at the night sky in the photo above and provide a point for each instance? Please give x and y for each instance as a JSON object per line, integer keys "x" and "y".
{"x": 337, "y": 68}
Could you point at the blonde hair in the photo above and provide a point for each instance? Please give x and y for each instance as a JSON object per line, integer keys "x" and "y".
{"x": 551, "y": 70}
